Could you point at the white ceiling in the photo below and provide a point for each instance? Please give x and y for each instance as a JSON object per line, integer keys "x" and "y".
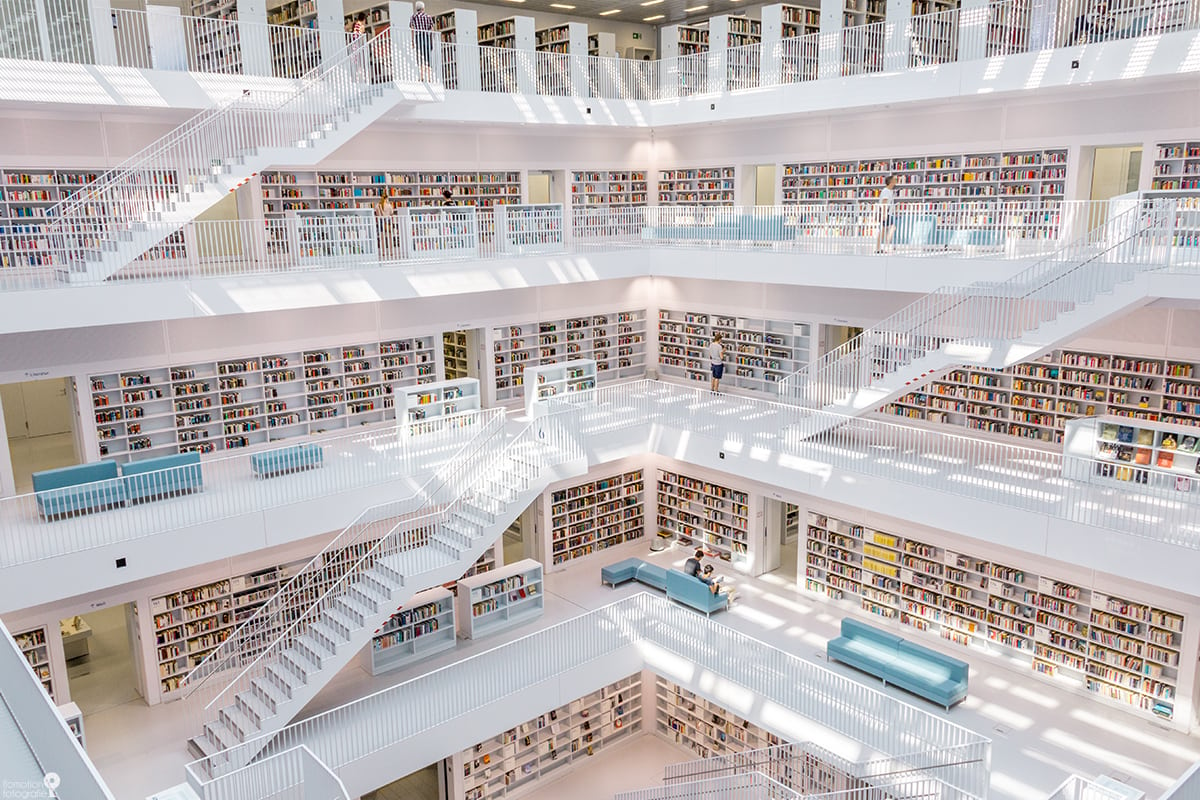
{"x": 631, "y": 11}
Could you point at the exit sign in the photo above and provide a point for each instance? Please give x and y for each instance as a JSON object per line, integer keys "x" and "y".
{"x": 637, "y": 35}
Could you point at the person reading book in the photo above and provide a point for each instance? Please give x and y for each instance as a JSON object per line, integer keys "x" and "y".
{"x": 692, "y": 567}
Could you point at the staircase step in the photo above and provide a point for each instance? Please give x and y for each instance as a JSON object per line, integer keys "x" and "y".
{"x": 337, "y": 618}
{"x": 330, "y": 631}
{"x": 281, "y": 680}
{"x": 238, "y": 722}
{"x": 312, "y": 650}
{"x": 351, "y": 607}
{"x": 269, "y": 693}
{"x": 255, "y": 707}
{"x": 220, "y": 736}
{"x": 296, "y": 664}
{"x": 377, "y": 584}
{"x": 367, "y": 597}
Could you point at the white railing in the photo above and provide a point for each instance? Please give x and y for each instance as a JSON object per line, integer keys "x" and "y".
{"x": 380, "y": 533}
{"x": 999, "y": 30}
{"x": 862, "y": 48}
{"x": 294, "y": 774}
{"x": 1077, "y": 787}
{"x": 506, "y": 70}
{"x": 1187, "y": 787}
{"x": 743, "y": 67}
{"x": 983, "y": 316}
{"x": 743, "y": 786}
{"x": 799, "y": 59}
{"x": 933, "y": 39}
{"x": 19, "y": 31}
{"x": 1091, "y": 21}
{"x": 1009, "y": 475}
{"x": 668, "y": 638}
{"x": 230, "y": 488}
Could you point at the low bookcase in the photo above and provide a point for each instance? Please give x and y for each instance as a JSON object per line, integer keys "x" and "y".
{"x": 439, "y": 399}
{"x": 500, "y": 599}
{"x": 1115, "y": 450}
{"x": 511, "y": 762}
{"x": 554, "y": 380}
{"x": 419, "y": 628}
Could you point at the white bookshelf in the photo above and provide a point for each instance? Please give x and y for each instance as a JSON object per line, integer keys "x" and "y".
{"x": 592, "y": 516}
{"x": 731, "y": 38}
{"x": 438, "y": 399}
{"x": 460, "y": 66}
{"x": 557, "y": 73}
{"x": 545, "y": 381}
{"x": 602, "y": 45}
{"x": 1121, "y": 649}
{"x": 35, "y": 647}
{"x": 420, "y": 628}
{"x": 499, "y": 71}
{"x": 455, "y": 354}
{"x": 284, "y": 191}
{"x": 1114, "y": 451}
{"x": 516, "y": 760}
{"x": 73, "y": 717}
{"x": 1029, "y": 182}
{"x": 245, "y": 401}
{"x": 1034, "y": 400}
{"x": 609, "y": 188}
{"x": 1176, "y": 166}
{"x": 706, "y": 186}
{"x": 702, "y": 726}
{"x": 797, "y": 61}
{"x": 758, "y": 352}
{"x": 615, "y": 340}
{"x": 700, "y": 513}
{"x": 500, "y": 599}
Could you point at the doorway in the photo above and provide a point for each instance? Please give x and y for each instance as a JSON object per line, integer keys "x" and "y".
{"x": 764, "y": 185}
{"x": 100, "y": 648}
{"x": 420, "y": 785}
{"x": 1115, "y": 171}
{"x": 460, "y": 353}
{"x": 520, "y": 540}
{"x": 40, "y": 423}
{"x": 545, "y": 187}
{"x": 781, "y": 538}
{"x": 834, "y": 336}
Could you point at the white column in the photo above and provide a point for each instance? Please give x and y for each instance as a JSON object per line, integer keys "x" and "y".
{"x": 896, "y": 34}
{"x": 718, "y": 53}
{"x": 972, "y": 30}
{"x": 466, "y": 49}
{"x": 771, "y": 57}
{"x": 252, "y": 35}
{"x": 104, "y": 43}
{"x": 829, "y": 47}
{"x": 331, "y": 25}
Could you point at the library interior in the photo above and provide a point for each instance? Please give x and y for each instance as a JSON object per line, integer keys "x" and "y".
{"x": 636, "y": 399}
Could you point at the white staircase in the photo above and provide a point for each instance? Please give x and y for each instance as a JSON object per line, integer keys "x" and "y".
{"x": 278, "y": 660}
{"x": 129, "y": 210}
{"x": 990, "y": 325}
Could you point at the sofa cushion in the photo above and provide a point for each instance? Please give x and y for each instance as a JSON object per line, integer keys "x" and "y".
{"x": 83, "y": 487}
{"x": 693, "y": 592}
{"x": 286, "y": 459}
{"x": 74, "y": 475}
{"x": 652, "y": 575}
{"x": 953, "y": 668}
{"x": 621, "y": 571}
{"x": 162, "y": 476}
{"x": 865, "y": 649}
{"x": 853, "y": 629}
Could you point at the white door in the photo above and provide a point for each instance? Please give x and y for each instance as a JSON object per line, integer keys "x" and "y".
{"x": 47, "y": 407}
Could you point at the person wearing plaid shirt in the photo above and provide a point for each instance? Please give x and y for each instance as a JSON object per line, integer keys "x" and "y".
{"x": 422, "y": 28}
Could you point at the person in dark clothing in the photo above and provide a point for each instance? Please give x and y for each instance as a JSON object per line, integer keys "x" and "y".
{"x": 692, "y": 567}
{"x": 448, "y": 198}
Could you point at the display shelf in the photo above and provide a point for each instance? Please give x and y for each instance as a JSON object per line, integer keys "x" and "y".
{"x": 555, "y": 380}
{"x": 615, "y": 340}
{"x": 1034, "y": 400}
{"x": 602, "y": 45}
{"x": 702, "y": 726}
{"x": 610, "y": 188}
{"x": 438, "y": 399}
{"x": 27, "y": 200}
{"x": 1103, "y": 643}
{"x": 245, "y": 401}
{"x": 1030, "y": 182}
{"x": 1111, "y": 450}
{"x": 35, "y": 647}
{"x": 455, "y": 354}
{"x": 797, "y": 60}
{"x": 513, "y": 32}
{"x": 712, "y": 186}
{"x": 590, "y": 517}
{"x": 514, "y": 760}
{"x": 378, "y": 17}
{"x": 499, "y": 599}
{"x": 289, "y": 191}
{"x": 420, "y": 628}
{"x": 1176, "y": 167}
{"x": 703, "y": 514}
{"x": 758, "y": 352}
{"x": 863, "y": 12}
{"x": 73, "y": 717}
{"x": 733, "y": 38}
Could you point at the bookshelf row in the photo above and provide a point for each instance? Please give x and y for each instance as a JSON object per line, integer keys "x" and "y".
{"x": 35, "y": 648}
{"x": 509, "y": 762}
{"x": 1039, "y": 175}
{"x": 499, "y": 599}
{"x": 758, "y": 352}
{"x": 1176, "y": 166}
{"x": 697, "y": 186}
{"x": 596, "y": 515}
{"x": 454, "y": 354}
{"x": 616, "y": 341}
{"x": 1106, "y": 450}
{"x": 295, "y": 191}
{"x": 254, "y": 399}
{"x": 608, "y": 188}
{"x": 420, "y": 628}
{"x": 1120, "y": 648}
{"x": 699, "y": 513}
{"x": 27, "y": 200}
{"x": 1035, "y": 399}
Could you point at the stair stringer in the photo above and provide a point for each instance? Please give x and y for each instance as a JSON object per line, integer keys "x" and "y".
{"x": 183, "y": 206}
{"x": 912, "y": 376}
{"x": 421, "y": 569}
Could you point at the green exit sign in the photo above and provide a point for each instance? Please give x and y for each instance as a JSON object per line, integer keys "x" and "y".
{"x": 637, "y": 35}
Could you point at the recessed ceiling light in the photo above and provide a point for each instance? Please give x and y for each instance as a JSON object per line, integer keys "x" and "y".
{"x": 696, "y": 8}
{"x": 610, "y": 11}
{"x": 562, "y": 5}
{"x": 651, "y": 19}
{"x": 652, "y": 2}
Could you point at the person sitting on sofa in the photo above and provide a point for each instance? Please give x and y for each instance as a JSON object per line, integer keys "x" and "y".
{"x": 692, "y": 567}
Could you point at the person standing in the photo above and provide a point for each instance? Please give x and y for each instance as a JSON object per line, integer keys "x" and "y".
{"x": 716, "y": 361}
{"x": 887, "y": 214}
{"x": 422, "y": 31}
{"x": 447, "y": 198}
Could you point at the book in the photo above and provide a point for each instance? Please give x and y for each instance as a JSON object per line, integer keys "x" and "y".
{"x": 1168, "y": 442}
{"x": 1189, "y": 444}
{"x": 1142, "y": 456}
{"x": 1166, "y": 459}
{"x": 1124, "y": 454}
{"x": 1145, "y": 436}
{"x": 1107, "y": 450}
{"x": 1125, "y": 434}
{"x": 1108, "y": 431}
{"x": 1183, "y": 484}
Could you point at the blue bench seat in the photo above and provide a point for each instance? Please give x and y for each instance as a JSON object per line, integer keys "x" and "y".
{"x": 296, "y": 458}
{"x": 924, "y": 672}
{"x": 78, "y": 489}
{"x": 692, "y": 591}
{"x": 634, "y": 569}
{"x": 165, "y": 476}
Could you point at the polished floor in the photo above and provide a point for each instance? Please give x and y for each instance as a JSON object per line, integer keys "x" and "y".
{"x": 109, "y": 680}
{"x": 35, "y": 453}
{"x": 1041, "y": 731}
{"x": 421, "y": 785}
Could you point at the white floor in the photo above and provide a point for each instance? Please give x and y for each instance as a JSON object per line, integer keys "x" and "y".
{"x": 422, "y": 785}
{"x": 110, "y": 680}
{"x": 32, "y": 454}
{"x": 1041, "y": 732}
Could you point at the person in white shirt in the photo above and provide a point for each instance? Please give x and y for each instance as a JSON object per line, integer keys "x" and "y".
{"x": 887, "y": 213}
{"x": 716, "y": 361}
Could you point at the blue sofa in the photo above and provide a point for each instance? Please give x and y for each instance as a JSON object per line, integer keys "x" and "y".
{"x": 78, "y": 489}
{"x": 694, "y": 592}
{"x": 270, "y": 463}
{"x": 897, "y": 661}
{"x": 634, "y": 569}
{"x": 747, "y": 227}
{"x": 164, "y": 476}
